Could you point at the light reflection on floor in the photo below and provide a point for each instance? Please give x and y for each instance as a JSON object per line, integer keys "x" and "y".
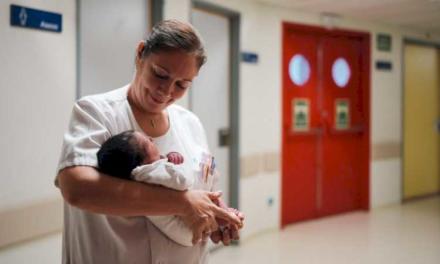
{"x": 408, "y": 233}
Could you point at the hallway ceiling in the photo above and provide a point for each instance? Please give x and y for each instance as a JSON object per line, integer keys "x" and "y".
{"x": 421, "y": 15}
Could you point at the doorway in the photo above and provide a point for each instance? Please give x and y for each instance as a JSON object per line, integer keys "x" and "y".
{"x": 326, "y": 122}
{"x": 214, "y": 95}
{"x": 106, "y": 62}
{"x": 421, "y": 124}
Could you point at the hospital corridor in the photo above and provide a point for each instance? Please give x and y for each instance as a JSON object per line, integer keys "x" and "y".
{"x": 263, "y": 131}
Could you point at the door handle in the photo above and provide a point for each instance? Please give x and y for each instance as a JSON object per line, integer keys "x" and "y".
{"x": 224, "y": 137}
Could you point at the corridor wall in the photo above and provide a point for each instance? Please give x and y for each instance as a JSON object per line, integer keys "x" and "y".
{"x": 37, "y": 80}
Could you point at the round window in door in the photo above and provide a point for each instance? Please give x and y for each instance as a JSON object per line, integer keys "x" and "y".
{"x": 341, "y": 72}
{"x": 299, "y": 69}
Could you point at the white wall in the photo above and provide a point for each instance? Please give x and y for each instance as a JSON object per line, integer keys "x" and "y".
{"x": 385, "y": 182}
{"x": 37, "y": 79}
{"x": 260, "y": 203}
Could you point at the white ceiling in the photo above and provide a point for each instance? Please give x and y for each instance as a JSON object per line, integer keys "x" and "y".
{"x": 421, "y": 15}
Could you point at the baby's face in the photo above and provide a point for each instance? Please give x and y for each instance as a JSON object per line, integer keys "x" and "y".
{"x": 146, "y": 143}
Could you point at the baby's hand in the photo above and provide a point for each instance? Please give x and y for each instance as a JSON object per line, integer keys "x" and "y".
{"x": 175, "y": 157}
{"x": 227, "y": 232}
{"x": 216, "y": 236}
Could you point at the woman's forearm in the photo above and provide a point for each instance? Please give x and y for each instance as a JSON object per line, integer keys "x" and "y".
{"x": 86, "y": 188}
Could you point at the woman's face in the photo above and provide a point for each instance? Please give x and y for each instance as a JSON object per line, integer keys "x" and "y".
{"x": 162, "y": 78}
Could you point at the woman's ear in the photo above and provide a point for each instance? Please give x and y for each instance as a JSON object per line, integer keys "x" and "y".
{"x": 140, "y": 48}
{"x": 139, "y": 51}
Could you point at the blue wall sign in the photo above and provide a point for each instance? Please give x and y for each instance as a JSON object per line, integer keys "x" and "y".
{"x": 249, "y": 57}
{"x": 384, "y": 65}
{"x": 37, "y": 19}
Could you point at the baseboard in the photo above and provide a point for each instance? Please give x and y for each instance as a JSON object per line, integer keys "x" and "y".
{"x": 30, "y": 221}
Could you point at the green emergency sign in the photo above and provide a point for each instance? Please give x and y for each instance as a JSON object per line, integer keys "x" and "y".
{"x": 342, "y": 114}
{"x": 301, "y": 114}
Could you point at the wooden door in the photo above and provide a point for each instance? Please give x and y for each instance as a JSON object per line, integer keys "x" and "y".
{"x": 421, "y": 152}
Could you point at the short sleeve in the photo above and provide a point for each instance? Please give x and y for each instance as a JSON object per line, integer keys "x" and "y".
{"x": 88, "y": 129}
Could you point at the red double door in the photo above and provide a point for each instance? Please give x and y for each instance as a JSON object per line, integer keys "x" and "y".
{"x": 325, "y": 144}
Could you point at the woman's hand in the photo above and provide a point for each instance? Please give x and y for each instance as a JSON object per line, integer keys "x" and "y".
{"x": 200, "y": 213}
{"x": 229, "y": 232}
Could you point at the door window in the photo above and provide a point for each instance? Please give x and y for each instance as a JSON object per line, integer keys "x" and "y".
{"x": 299, "y": 69}
{"x": 341, "y": 72}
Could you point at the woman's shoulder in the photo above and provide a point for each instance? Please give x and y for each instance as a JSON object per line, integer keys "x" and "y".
{"x": 113, "y": 96}
{"x": 105, "y": 101}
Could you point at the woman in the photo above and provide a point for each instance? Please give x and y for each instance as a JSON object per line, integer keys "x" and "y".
{"x": 102, "y": 222}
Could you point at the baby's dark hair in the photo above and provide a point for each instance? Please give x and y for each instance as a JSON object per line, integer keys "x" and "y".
{"x": 120, "y": 154}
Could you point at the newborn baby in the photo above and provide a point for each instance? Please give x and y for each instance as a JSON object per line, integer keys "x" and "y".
{"x": 132, "y": 155}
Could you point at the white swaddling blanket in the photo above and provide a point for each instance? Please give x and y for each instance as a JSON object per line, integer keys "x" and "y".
{"x": 169, "y": 175}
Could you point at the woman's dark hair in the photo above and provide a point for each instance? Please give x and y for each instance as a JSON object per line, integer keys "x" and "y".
{"x": 119, "y": 155}
{"x": 174, "y": 35}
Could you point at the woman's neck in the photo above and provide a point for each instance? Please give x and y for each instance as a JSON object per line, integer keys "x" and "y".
{"x": 152, "y": 124}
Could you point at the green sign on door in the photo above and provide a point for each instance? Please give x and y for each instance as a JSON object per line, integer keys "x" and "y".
{"x": 300, "y": 114}
{"x": 342, "y": 114}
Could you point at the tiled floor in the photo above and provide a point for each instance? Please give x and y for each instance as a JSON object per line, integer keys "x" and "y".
{"x": 409, "y": 233}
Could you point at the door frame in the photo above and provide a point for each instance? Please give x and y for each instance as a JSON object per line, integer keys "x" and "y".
{"x": 156, "y": 13}
{"x": 234, "y": 114}
{"x": 418, "y": 42}
{"x": 364, "y": 37}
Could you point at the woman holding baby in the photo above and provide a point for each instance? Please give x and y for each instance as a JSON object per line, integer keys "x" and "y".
{"x": 104, "y": 216}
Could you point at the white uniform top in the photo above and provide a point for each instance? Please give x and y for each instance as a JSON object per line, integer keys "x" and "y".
{"x": 97, "y": 238}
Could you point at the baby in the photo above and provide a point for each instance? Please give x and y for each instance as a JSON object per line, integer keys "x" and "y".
{"x": 133, "y": 156}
